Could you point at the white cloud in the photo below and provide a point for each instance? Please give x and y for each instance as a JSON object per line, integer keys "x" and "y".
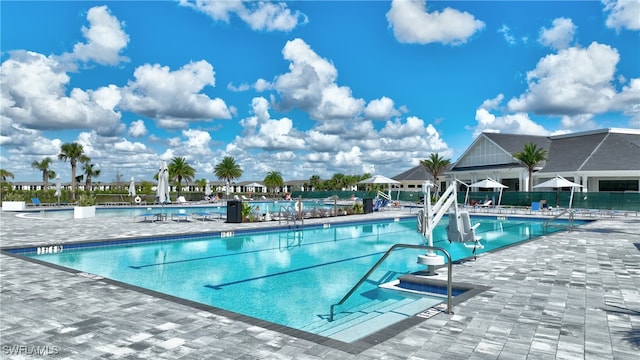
{"x": 560, "y": 35}
{"x": 310, "y": 85}
{"x": 506, "y": 34}
{"x": 412, "y": 23}
{"x": 105, "y": 39}
{"x": 260, "y": 131}
{"x": 511, "y": 124}
{"x": 573, "y": 81}
{"x": 174, "y": 97}
{"x": 382, "y": 108}
{"x": 34, "y": 94}
{"x": 137, "y": 129}
{"x": 258, "y": 15}
{"x": 622, "y": 14}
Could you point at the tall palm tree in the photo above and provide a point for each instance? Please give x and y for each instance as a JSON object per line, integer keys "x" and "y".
{"x": 46, "y": 172}
{"x": 73, "y": 152}
{"x": 179, "y": 169}
{"x": 228, "y": 170}
{"x": 273, "y": 180}
{"x": 5, "y": 174}
{"x": 315, "y": 182}
{"x": 436, "y": 165}
{"x": 90, "y": 172}
{"x": 530, "y": 157}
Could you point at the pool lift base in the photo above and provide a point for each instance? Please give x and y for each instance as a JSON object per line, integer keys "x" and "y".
{"x": 428, "y": 219}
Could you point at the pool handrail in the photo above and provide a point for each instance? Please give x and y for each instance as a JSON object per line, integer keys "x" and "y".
{"x": 386, "y": 254}
{"x": 566, "y": 211}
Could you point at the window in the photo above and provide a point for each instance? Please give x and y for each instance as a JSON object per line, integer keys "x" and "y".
{"x": 618, "y": 185}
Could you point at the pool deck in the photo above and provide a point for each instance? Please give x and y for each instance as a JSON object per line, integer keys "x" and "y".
{"x": 566, "y": 295}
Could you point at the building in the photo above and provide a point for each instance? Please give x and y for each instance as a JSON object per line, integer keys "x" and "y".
{"x": 600, "y": 160}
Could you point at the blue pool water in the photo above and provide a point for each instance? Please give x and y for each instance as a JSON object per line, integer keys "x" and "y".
{"x": 131, "y": 211}
{"x": 285, "y": 277}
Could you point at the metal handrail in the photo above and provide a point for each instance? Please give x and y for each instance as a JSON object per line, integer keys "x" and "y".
{"x": 571, "y": 215}
{"x": 290, "y": 214}
{"x": 391, "y": 249}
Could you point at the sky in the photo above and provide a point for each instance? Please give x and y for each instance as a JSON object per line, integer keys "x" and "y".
{"x": 304, "y": 87}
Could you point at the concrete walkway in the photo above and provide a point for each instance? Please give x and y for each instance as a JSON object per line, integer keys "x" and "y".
{"x": 565, "y": 296}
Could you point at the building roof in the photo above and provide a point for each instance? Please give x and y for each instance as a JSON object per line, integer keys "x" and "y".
{"x": 601, "y": 150}
{"x": 513, "y": 143}
{"x": 597, "y": 150}
{"x": 417, "y": 173}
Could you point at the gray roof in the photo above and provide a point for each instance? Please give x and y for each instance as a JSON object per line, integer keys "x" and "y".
{"x": 594, "y": 151}
{"x": 513, "y": 143}
{"x": 417, "y": 173}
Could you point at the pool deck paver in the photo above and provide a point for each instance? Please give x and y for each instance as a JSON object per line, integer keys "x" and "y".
{"x": 567, "y": 295}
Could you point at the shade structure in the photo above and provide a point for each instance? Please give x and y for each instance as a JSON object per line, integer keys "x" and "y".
{"x": 559, "y": 182}
{"x": 162, "y": 191}
{"x": 132, "y": 187}
{"x": 380, "y": 179}
{"x": 207, "y": 189}
{"x": 489, "y": 183}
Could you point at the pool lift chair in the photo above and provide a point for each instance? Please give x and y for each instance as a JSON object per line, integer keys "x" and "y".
{"x": 459, "y": 228}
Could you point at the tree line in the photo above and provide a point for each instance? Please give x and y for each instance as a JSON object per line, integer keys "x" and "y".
{"x": 228, "y": 170}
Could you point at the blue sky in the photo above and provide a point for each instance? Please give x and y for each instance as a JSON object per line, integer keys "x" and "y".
{"x": 305, "y": 87}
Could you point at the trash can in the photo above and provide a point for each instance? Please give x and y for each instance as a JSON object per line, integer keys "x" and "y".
{"x": 234, "y": 211}
{"x": 367, "y": 204}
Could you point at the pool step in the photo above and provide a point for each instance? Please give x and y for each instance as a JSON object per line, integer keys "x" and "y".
{"x": 368, "y": 318}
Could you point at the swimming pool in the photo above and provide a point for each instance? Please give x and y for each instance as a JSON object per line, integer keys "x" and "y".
{"x": 131, "y": 211}
{"x": 288, "y": 277}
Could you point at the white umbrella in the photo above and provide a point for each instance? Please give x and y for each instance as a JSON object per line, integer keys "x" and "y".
{"x": 58, "y": 189}
{"x": 132, "y": 187}
{"x": 489, "y": 183}
{"x": 560, "y": 182}
{"x": 207, "y": 189}
{"x": 380, "y": 179}
{"x": 162, "y": 191}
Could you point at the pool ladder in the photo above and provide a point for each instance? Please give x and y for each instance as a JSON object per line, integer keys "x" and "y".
{"x": 383, "y": 258}
{"x": 289, "y": 214}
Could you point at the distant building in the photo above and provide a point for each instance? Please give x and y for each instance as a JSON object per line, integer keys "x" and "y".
{"x": 600, "y": 160}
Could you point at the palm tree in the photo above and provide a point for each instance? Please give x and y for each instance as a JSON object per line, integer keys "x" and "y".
{"x": 72, "y": 152}
{"x": 315, "y": 182}
{"x": 5, "y": 174}
{"x": 530, "y": 157}
{"x": 228, "y": 170}
{"x": 179, "y": 169}
{"x": 436, "y": 165}
{"x": 273, "y": 180}
{"x": 46, "y": 172}
{"x": 90, "y": 172}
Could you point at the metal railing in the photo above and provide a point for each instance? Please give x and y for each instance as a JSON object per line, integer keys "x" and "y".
{"x": 556, "y": 217}
{"x": 386, "y": 254}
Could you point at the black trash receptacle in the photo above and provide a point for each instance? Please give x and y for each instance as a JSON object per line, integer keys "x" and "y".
{"x": 367, "y": 204}
{"x": 234, "y": 211}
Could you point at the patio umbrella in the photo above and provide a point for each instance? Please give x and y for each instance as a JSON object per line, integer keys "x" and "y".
{"x": 207, "y": 189}
{"x": 379, "y": 179}
{"x": 560, "y": 182}
{"x": 489, "y": 183}
{"x": 132, "y": 187}
{"x": 58, "y": 189}
{"x": 162, "y": 191}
